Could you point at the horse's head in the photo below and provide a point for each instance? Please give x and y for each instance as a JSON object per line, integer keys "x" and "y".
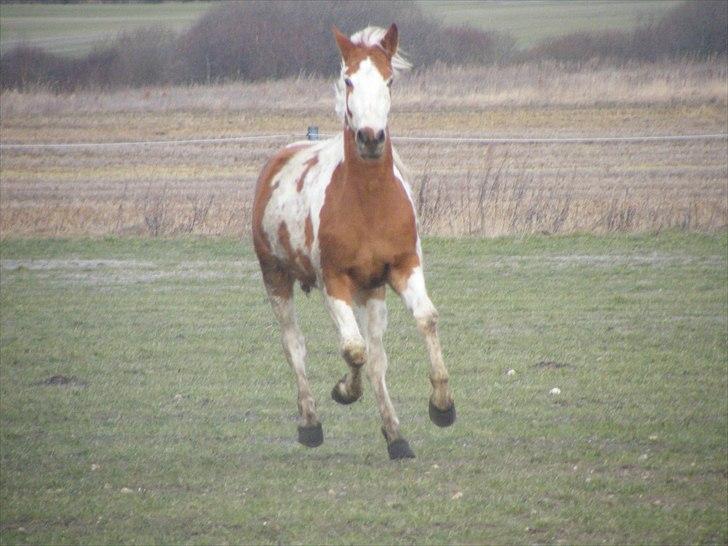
{"x": 370, "y": 62}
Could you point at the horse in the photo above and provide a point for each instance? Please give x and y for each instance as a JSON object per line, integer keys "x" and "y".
{"x": 338, "y": 215}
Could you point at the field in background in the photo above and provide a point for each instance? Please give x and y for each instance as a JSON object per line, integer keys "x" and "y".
{"x": 75, "y": 29}
{"x": 145, "y": 398}
{"x": 460, "y": 188}
{"x": 531, "y": 22}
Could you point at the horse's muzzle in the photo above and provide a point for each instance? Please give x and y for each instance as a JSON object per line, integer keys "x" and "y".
{"x": 370, "y": 144}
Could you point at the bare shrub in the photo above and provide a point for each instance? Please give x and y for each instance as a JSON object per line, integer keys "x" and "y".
{"x": 24, "y": 67}
{"x": 154, "y": 211}
{"x": 143, "y": 58}
{"x": 252, "y": 40}
{"x": 463, "y": 45}
{"x": 199, "y": 207}
{"x": 259, "y": 40}
{"x": 137, "y": 58}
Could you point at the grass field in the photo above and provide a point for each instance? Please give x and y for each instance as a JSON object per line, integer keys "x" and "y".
{"x": 532, "y": 21}
{"x": 75, "y": 29}
{"x": 145, "y": 398}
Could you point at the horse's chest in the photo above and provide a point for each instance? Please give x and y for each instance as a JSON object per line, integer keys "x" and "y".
{"x": 365, "y": 257}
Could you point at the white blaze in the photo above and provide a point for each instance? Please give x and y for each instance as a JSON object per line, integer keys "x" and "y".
{"x": 368, "y": 100}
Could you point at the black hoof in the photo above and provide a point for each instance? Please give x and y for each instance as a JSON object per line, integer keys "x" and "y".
{"x": 400, "y": 449}
{"x": 312, "y": 436}
{"x": 442, "y": 418}
{"x": 340, "y": 398}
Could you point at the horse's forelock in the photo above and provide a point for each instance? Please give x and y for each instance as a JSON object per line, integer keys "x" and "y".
{"x": 372, "y": 37}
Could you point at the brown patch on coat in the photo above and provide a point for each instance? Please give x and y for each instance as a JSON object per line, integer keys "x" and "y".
{"x": 367, "y": 232}
{"x": 399, "y": 276}
{"x": 278, "y": 281}
{"x": 310, "y": 163}
{"x": 298, "y": 264}
{"x": 308, "y": 232}
{"x": 375, "y": 54}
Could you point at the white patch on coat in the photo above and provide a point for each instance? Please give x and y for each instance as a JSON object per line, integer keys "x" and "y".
{"x": 287, "y": 204}
{"x": 415, "y": 296}
{"x": 344, "y": 319}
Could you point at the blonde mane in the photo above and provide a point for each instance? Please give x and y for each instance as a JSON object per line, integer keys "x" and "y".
{"x": 372, "y": 37}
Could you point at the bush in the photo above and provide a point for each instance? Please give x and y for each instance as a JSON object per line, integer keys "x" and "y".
{"x": 142, "y": 57}
{"x": 136, "y": 58}
{"x": 259, "y": 39}
{"x": 250, "y": 40}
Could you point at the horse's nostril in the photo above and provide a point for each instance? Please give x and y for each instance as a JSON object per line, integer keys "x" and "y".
{"x": 360, "y": 136}
{"x": 380, "y": 136}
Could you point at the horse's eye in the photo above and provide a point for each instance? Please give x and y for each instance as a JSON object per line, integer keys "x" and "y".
{"x": 348, "y": 83}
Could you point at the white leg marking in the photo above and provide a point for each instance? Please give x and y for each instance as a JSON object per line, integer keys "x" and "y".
{"x": 377, "y": 366}
{"x": 350, "y": 339}
{"x": 418, "y": 302}
{"x": 295, "y": 348}
{"x": 352, "y": 345}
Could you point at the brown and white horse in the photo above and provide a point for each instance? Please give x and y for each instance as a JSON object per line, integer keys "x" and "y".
{"x": 338, "y": 215}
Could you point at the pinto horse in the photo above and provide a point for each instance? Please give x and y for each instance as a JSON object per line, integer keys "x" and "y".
{"x": 338, "y": 215}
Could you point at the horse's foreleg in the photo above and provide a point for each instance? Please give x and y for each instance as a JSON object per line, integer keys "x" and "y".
{"x": 310, "y": 432}
{"x": 411, "y": 288}
{"x": 351, "y": 343}
{"x": 376, "y": 324}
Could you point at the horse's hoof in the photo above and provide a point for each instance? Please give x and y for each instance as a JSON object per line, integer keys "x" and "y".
{"x": 343, "y": 399}
{"x": 311, "y": 436}
{"x": 400, "y": 449}
{"x": 442, "y": 418}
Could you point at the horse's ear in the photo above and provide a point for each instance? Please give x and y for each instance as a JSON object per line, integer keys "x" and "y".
{"x": 343, "y": 41}
{"x": 390, "y": 41}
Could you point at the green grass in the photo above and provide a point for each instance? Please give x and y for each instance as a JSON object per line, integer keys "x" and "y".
{"x": 74, "y": 29}
{"x": 182, "y": 397}
{"x": 532, "y": 21}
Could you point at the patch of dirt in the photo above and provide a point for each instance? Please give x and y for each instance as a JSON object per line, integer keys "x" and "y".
{"x": 552, "y": 365}
{"x": 104, "y": 273}
{"x": 62, "y": 381}
{"x": 84, "y": 265}
{"x": 654, "y": 259}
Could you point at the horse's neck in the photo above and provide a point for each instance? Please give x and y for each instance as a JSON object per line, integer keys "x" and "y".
{"x": 370, "y": 179}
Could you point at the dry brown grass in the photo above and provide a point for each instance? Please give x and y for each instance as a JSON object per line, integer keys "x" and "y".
{"x": 462, "y": 189}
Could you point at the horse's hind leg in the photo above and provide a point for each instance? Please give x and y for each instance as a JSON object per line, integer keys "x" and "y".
{"x": 280, "y": 293}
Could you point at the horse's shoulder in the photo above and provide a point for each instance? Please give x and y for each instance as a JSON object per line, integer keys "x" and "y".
{"x": 279, "y": 160}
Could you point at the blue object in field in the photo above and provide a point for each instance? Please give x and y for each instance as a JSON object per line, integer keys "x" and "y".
{"x": 312, "y": 133}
